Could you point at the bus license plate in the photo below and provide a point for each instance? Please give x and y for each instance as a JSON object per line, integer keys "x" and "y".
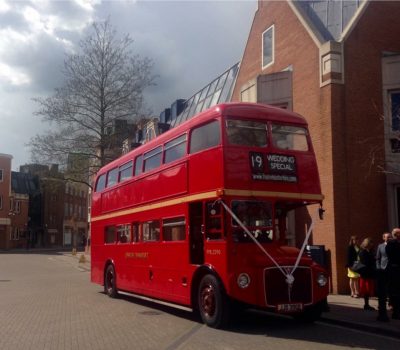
{"x": 287, "y": 308}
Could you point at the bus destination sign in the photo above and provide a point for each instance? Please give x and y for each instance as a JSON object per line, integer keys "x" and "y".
{"x": 279, "y": 167}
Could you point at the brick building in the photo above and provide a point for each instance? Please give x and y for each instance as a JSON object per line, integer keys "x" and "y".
{"x": 5, "y": 193}
{"x": 338, "y": 64}
{"x": 62, "y": 217}
{"x": 14, "y": 207}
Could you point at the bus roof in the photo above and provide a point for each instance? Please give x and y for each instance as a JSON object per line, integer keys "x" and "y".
{"x": 233, "y": 109}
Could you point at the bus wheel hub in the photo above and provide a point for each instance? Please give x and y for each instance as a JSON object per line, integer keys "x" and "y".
{"x": 208, "y": 300}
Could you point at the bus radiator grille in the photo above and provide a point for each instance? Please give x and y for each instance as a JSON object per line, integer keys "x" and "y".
{"x": 278, "y": 292}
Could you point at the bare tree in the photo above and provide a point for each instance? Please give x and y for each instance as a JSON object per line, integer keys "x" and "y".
{"x": 103, "y": 86}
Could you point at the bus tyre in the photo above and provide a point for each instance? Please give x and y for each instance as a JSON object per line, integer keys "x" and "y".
{"x": 110, "y": 287}
{"x": 213, "y": 304}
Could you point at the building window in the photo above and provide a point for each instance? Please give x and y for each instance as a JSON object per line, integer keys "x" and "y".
{"x": 1, "y": 202}
{"x": 395, "y": 110}
{"x": 1, "y": 175}
{"x": 268, "y": 47}
{"x": 17, "y": 208}
{"x": 14, "y": 234}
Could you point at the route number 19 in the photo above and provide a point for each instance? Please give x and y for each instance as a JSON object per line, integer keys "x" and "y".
{"x": 257, "y": 162}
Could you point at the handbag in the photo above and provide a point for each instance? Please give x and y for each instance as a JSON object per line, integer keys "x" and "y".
{"x": 358, "y": 266}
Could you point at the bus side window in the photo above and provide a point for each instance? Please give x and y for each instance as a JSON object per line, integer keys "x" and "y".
{"x": 110, "y": 234}
{"x": 124, "y": 233}
{"x": 152, "y": 159}
{"x": 174, "y": 229}
{"x": 151, "y": 231}
{"x": 205, "y": 136}
{"x": 112, "y": 177}
{"x": 135, "y": 232}
{"x": 125, "y": 171}
{"x": 101, "y": 183}
{"x": 175, "y": 149}
{"x": 138, "y": 165}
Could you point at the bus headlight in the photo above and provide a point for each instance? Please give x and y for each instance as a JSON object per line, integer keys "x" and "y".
{"x": 243, "y": 280}
{"x": 322, "y": 280}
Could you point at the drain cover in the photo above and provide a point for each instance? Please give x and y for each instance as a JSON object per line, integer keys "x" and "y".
{"x": 5, "y": 280}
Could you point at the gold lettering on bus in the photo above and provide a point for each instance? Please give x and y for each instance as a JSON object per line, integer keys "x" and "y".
{"x": 213, "y": 251}
{"x": 137, "y": 255}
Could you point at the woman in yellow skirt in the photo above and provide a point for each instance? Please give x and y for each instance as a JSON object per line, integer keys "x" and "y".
{"x": 352, "y": 255}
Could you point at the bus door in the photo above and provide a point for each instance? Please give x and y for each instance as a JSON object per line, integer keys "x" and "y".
{"x": 196, "y": 233}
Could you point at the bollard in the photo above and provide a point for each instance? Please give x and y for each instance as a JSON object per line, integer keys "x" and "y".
{"x": 82, "y": 259}
{"x": 74, "y": 251}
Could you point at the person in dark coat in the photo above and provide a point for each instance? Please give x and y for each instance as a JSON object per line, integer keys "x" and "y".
{"x": 352, "y": 256}
{"x": 382, "y": 277}
{"x": 367, "y": 280}
{"x": 393, "y": 254}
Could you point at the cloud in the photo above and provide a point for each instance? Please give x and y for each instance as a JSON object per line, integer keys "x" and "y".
{"x": 190, "y": 43}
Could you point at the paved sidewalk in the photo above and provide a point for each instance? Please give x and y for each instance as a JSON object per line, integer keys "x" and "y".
{"x": 344, "y": 310}
{"x": 82, "y": 259}
{"x": 349, "y": 312}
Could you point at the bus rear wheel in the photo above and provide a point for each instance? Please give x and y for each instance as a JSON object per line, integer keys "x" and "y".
{"x": 213, "y": 304}
{"x": 110, "y": 287}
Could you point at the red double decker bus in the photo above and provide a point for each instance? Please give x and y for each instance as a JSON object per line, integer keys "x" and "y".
{"x": 198, "y": 216}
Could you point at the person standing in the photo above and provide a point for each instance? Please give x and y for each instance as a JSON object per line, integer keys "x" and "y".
{"x": 382, "y": 277}
{"x": 393, "y": 254}
{"x": 352, "y": 255}
{"x": 367, "y": 284}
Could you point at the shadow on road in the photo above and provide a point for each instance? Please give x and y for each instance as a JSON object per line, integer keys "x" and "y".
{"x": 260, "y": 323}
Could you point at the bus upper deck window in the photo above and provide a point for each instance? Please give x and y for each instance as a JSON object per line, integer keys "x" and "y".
{"x": 289, "y": 137}
{"x": 138, "y": 165}
{"x": 205, "y": 136}
{"x": 152, "y": 159}
{"x": 112, "y": 178}
{"x": 246, "y": 133}
{"x": 101, "y": 183}
{"x": 175, "y": 149}
{"x": 125, "y": 171}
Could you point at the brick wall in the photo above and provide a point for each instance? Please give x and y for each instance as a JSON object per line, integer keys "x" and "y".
{"x": 344, "y": 120}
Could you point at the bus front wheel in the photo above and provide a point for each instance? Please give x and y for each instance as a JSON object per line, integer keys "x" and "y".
{"x": 110, "y": 287}
{"x": 213, "y": 304}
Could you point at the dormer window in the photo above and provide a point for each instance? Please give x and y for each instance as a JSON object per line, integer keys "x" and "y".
{"x": 268, "y": 47}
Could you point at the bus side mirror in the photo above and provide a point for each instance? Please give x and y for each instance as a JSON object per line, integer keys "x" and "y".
{"x": 321, "y": 212}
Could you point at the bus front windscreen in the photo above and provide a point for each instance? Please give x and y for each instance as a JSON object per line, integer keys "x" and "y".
{"x": 256, "y": 216}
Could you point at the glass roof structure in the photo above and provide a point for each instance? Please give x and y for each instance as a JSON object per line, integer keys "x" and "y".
{"x": 218, "y": 91}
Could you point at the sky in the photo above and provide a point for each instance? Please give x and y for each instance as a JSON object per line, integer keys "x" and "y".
{"x": 190, "y": 43}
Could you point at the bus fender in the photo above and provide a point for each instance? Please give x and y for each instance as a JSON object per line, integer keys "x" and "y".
{"x": 197, "y": 276}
